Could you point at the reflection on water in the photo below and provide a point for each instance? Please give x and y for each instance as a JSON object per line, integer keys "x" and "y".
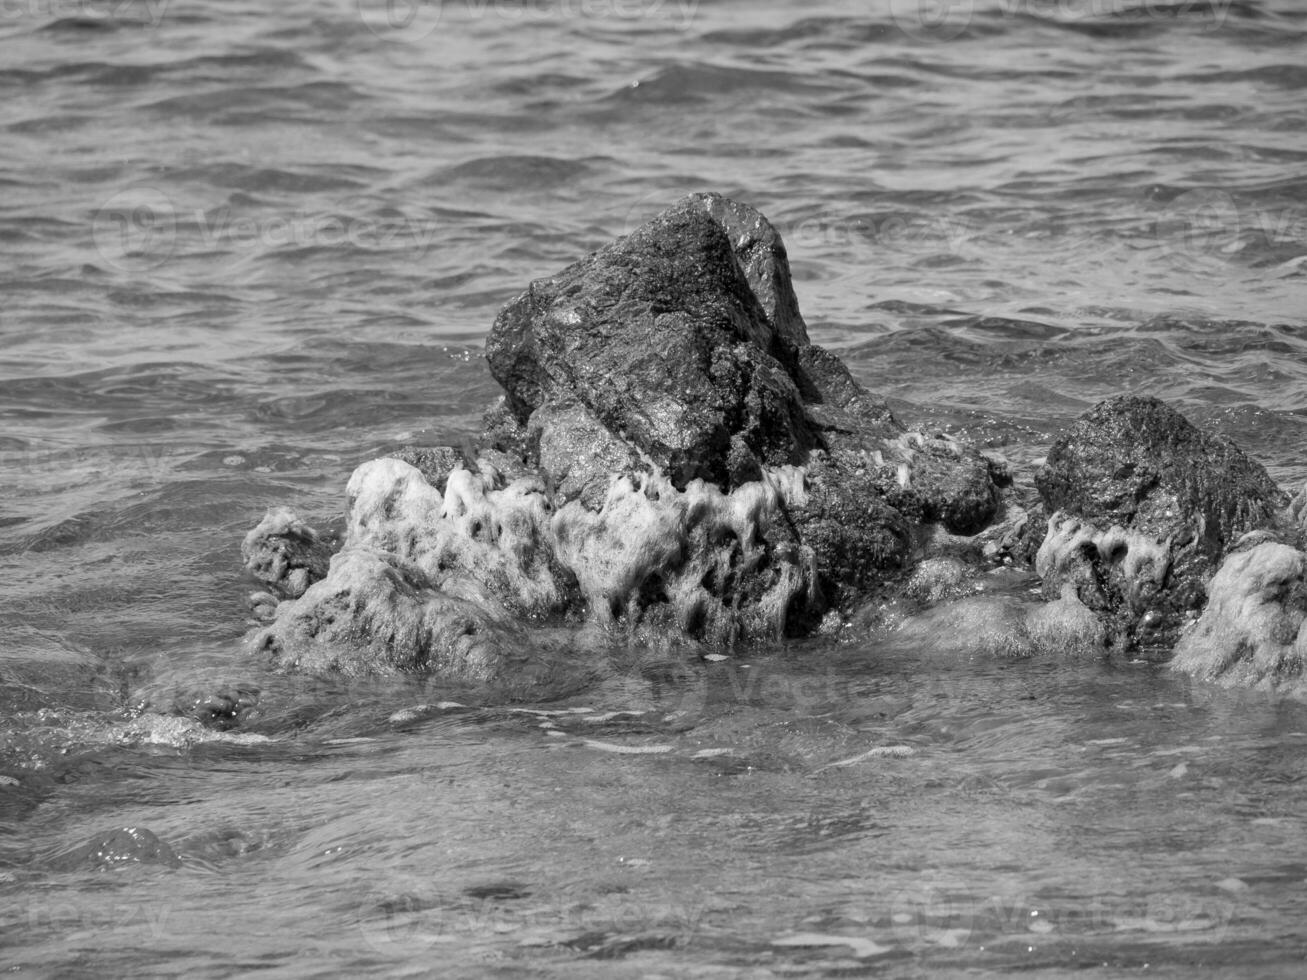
{"x": 245, "y": 249}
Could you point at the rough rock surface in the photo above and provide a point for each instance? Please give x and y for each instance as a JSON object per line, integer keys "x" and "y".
{"x": 118, "y": 847}
{"x": 285, "y": 553}
{"x": 997, "y": 624}
{"x": 674, "y": 463}
{"x": 1253, "y": 632}
{"x": 378, "y": 613}
{"x": 682, "y": 347}
{"x": 671, "y": 458}
{"x": 663, "y": 342}
{"x": 1142, "y": 508}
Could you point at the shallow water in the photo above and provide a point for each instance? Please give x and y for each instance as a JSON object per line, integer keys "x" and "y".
{"x": 243, "y": 249}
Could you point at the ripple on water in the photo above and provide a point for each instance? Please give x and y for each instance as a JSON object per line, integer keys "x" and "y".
{"x": 266, "y": 246}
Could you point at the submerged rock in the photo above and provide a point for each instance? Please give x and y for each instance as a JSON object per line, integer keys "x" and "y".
{"x": 672, "y": 461}
{"x": 115, "y": 848}
{"x": 1002, "y": 626}
{"x": 1253, "y": 632}
{"x": 377, "y": 612}
{"x": 1142, "y": 508}
{"x": 285, "y": 553}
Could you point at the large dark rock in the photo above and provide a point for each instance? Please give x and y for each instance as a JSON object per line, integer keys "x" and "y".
{"x": 672, "y": 458}
{"x": 661, "y": 340}
{"x": 1143, "y": 506}
{"x": 682, "y": 347}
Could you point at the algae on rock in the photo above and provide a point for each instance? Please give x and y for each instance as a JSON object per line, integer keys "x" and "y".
{"x": 1142, "y": 508}
{"x": 671, "y": 457}
{"x": 1253, "y": 632}
{"x": 674, "y": 463}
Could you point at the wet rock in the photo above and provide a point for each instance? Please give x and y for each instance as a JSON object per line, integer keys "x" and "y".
{"x": 122, "y": 846}
{"x": 263, "y": 605}
{"x": 660, "y": 337}
{"x": 939, "y": 578}
{"x": 766, "y": 266}
{"x": 721, "y": 567}
{"x": 857, "y": 537}
{"x": 285, "y": 553}
{"x": 988, "y": 626}
{"x": 221, "y": 710}
{"x": 580, "y": 454}
{"x": 1067, "y": 627}
{"x": 1253, "y": 632}
{"x": 672, "y": 461}
{"x": 1002, "y": 627}
{"x": 1141, "y": 508}
{"x": 377, "y": 612}
{"x": 682, "y": 347}
{"x": 479, "y": 533}
{"x": 435, "y": 463}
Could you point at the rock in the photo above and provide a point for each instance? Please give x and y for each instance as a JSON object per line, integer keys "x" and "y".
{"x": 672, "y": 462}
{"x": 721, "y": 567}
{"x": 435, "y": 463}
{"x": 986, "y": 625}
{"x": 662, "y": 341}
{"x": 580, "y": 454}
{"x": 938, "y": 578}
{"x": 263, "y": 605}
{"x": 991, "y": 625}
{"x": 479, "y": 533}
{"x": 766, "y": 266}
{"x": 1142, "y": 506}
{"x": 857, "y": 538}
{"x": 285, "y": 553}
{"x": 1295, "y": 515}
{"x": 115, "y": 848}
{"x": 1253, "y": 632}
{"x": 378, "y": 613}
{"x": 682, "y": 347}
{"x": 221, "y": 710}
{"x": 1067, "y": 627}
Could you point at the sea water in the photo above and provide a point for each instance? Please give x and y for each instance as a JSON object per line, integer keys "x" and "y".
{"x": 247, "y": 246}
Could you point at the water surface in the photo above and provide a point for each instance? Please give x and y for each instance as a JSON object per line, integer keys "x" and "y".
{"x": 245, "y": 247}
